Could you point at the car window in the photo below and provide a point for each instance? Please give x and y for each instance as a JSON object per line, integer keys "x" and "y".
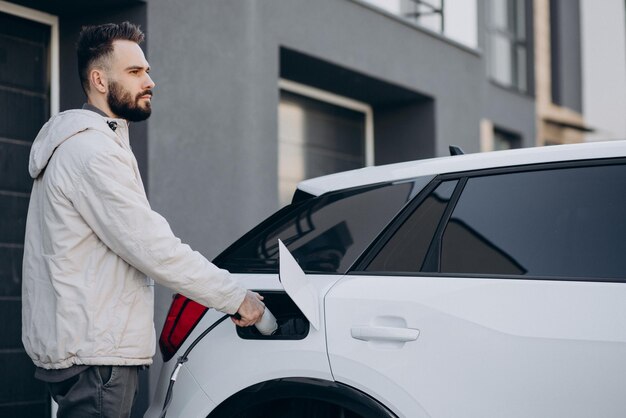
{"x": 325, "y": 233}
{"x": 566, "y": 222}
{"x": 407, "y": 248}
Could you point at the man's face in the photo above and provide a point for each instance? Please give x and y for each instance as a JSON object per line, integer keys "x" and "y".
{"x": 130, "y": 86}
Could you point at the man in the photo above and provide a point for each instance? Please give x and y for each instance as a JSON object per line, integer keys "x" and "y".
{"x": 92, "y": 240}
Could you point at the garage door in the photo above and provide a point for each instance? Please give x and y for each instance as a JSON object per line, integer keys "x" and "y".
{"x": 319, "y": 133}
{"x": 25, "y": 106}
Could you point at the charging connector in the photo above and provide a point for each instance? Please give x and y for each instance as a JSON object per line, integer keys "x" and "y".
{"x": 267, "y": 325}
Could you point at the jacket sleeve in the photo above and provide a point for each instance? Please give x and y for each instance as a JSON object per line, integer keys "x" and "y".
{"x": 114, "y": 205}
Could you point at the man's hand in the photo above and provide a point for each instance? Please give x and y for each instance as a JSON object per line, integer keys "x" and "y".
{"x": 250, "y": 311}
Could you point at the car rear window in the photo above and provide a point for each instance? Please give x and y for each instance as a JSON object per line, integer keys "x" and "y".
{"x": 325, "y": 234}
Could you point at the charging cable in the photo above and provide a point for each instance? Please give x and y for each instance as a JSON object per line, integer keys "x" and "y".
{"x": 183, "y": 359}
{"x": 267, "y": 325}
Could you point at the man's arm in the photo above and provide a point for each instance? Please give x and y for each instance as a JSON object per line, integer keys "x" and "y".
{"x": 110, "y": 200}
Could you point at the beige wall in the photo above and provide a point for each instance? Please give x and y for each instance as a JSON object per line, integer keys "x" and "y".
{"x": 555, "y": 124}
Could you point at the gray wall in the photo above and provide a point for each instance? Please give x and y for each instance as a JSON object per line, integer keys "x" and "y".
{"x": 214, "y": 127}
{"x": 565, "y": 53}
{"x": 213, "y": 134}
{"x": 517, "y": 116}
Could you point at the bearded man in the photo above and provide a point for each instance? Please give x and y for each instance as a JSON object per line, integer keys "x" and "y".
{"x": 93, "y": 244}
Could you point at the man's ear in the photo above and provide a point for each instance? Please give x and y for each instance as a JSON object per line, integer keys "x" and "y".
{"x": 98, "y": 80}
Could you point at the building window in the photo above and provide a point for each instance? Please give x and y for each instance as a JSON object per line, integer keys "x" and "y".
{"x": 505, "y": 139}
{"x": 508, "y": 43}
{"x": 495, "y": 138}
{"x": 319, "y": 133}
{"x": 455, "y": 19}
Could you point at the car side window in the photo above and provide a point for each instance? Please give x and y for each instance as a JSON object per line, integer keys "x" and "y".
{"x": 407, "y": 248}
{"x": 566, "y": 222}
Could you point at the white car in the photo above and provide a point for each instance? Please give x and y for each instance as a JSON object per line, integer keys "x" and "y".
{"x": 481, "y": 285}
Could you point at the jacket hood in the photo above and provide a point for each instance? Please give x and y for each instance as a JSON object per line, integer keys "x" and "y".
{"x": 59, "y": 129}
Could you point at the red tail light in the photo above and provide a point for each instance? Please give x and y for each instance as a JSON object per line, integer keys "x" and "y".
{"x": 182, "y": 318}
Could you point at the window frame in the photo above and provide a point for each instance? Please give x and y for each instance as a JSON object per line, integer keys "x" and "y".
{"x": 432, "y": 260}
{"x": 54, "y": 64}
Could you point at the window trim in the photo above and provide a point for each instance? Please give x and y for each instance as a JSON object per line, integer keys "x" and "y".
{"x": 358, "y": 268}
{"x": 475, "y": 276}
{"x": 53, "y": 22}
{"x": 432, "y": 260}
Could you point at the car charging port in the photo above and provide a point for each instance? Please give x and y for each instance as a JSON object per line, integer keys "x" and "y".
{"x": 292, "y": 324}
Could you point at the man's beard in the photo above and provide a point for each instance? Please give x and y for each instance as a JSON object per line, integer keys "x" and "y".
{"x": 122, "y": 104}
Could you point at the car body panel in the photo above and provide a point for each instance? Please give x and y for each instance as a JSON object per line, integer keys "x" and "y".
{"x": 187, "y": 401}
{"x": 223, "y": 364}
{"x": 486, "y": 347}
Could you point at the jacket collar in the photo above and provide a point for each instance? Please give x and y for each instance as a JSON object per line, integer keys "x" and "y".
{"x": 89, "y": 106}
{"x": 113, "y": 123}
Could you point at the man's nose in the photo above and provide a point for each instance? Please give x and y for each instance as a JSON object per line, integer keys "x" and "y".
{"x": 148, "y": 83}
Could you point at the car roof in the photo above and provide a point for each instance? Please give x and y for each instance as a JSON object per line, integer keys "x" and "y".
{"x": 459, "y": 163}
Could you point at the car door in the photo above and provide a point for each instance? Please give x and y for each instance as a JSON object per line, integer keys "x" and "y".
{"x": 497, "y": 293}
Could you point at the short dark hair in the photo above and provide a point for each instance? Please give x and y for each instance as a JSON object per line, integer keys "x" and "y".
{"x": 96, "y": 42}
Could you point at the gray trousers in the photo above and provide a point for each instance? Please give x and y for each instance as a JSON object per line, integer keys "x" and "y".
{"x": 99, "y": 391}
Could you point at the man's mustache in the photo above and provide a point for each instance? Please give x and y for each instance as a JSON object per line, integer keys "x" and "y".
{"x": 143, "y": 93}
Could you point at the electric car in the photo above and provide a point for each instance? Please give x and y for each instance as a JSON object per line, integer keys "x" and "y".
{"x": 479, "y": 285}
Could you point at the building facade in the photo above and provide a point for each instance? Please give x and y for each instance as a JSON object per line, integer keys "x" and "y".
{"x": 253, "y": 96}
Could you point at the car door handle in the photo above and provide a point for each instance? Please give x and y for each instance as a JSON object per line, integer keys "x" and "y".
{"x": 384, "y": 334}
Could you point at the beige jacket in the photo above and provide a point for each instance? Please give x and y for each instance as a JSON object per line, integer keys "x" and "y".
{"x": 91, "y": 239}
